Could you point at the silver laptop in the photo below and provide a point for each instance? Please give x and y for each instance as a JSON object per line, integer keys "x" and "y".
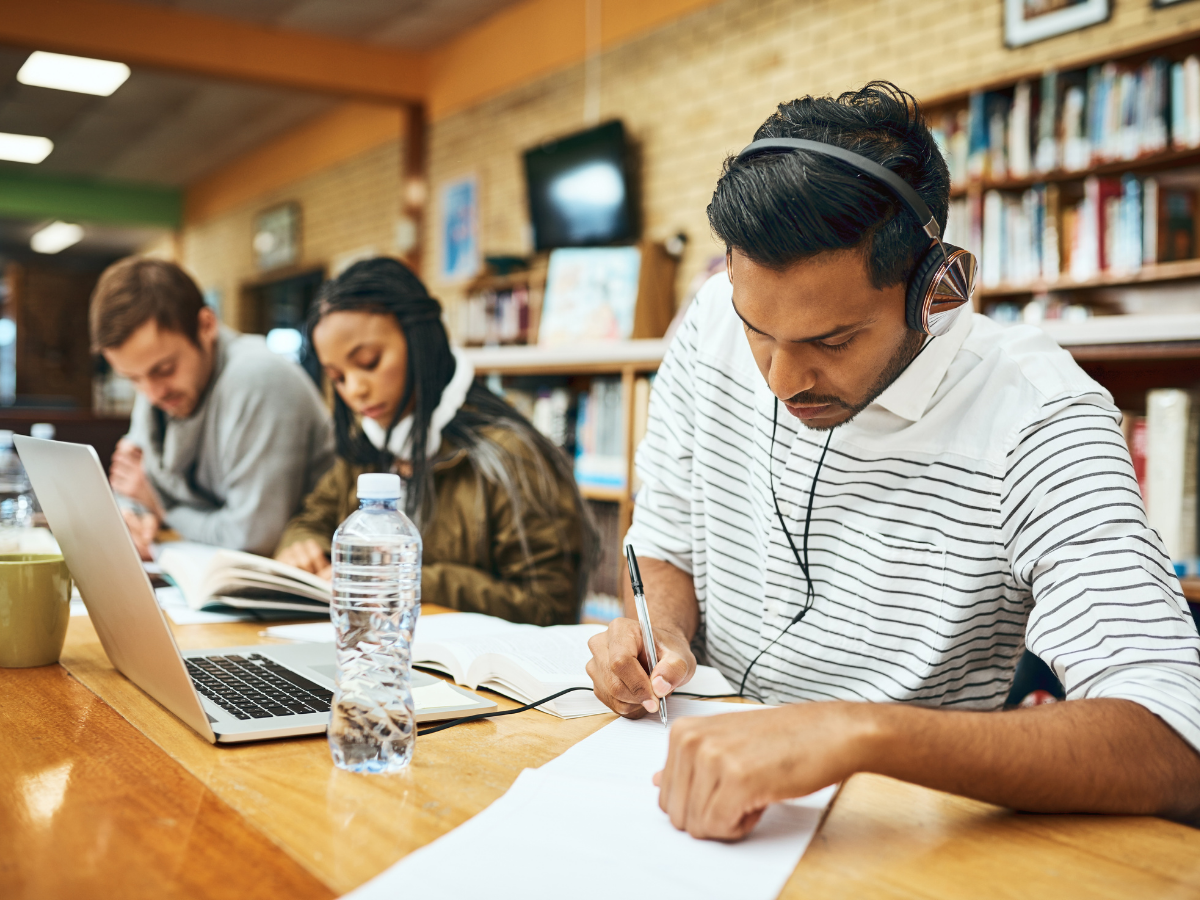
{"x": 230, "y": 694}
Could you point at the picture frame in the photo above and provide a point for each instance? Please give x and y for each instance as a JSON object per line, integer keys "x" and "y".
{"x": 458, "y": 227}
{"x": 276, "y": 239}
{"x": 1029, "y": 21}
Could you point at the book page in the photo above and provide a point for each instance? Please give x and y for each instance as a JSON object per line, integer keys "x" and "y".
{"x": 186, "y": 563}
{"x": 554, "y": 656}
{"x": 235, "y": 563}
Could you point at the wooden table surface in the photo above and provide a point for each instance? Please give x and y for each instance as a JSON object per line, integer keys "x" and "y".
{"x": 105, "y": 794}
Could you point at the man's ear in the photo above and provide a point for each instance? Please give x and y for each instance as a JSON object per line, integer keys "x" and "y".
{"x": 208, "y": 326}
{"x": 729, "y": 264}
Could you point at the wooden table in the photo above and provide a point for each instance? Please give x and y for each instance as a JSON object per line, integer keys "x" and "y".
{"x": 105, "y": 794}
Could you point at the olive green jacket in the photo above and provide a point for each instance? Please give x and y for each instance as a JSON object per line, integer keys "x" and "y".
{"x": 473, "y": 559}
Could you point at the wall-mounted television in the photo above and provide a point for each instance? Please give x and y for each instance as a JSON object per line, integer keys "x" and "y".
{"x": 580, "y": 190}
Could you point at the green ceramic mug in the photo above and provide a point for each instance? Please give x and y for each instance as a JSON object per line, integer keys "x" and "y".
{"x": 35, "y": 607}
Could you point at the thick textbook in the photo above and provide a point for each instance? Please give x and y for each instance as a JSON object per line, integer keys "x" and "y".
{"x": 211, "y": 577}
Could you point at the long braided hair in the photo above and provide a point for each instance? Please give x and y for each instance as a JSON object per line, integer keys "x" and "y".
{"x": 388, "y": 287}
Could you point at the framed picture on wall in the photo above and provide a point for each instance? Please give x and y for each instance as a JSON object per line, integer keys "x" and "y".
{"x": 277, "y": 237}
{"x": 459, "y": 229}
{"x": 1027, "y": 21}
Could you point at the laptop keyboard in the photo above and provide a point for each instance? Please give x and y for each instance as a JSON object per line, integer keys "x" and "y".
{"x": 254, "y": 687}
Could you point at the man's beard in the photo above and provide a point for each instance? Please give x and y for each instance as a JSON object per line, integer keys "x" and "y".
{"x": 905, "y": 354}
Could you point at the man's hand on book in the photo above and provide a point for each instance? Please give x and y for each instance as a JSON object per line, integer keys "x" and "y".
{"x": 128, "y": 477}
{"x": 618, "y": 667}
{"x": 308, "y": 555}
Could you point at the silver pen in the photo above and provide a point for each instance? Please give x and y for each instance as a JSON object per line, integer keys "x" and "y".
{"x": 639, "y": 601}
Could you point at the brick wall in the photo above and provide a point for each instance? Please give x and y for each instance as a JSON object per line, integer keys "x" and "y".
{"x": 695, "y": 90}
{"x": 345, "y": 208}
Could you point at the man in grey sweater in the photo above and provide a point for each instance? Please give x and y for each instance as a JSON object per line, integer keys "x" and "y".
{"x": 226, "y": 437}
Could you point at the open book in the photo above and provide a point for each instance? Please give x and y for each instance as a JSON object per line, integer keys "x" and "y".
{"x": 524, "y": 662}
{"x": 210, "y": 577}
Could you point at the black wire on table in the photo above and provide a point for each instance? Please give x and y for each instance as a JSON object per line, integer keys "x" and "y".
{"x": 528, "y": 706}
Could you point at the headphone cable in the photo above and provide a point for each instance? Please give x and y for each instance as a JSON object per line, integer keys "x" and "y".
{"x": 801, "y": 561}
{"x": 810, "y": 591}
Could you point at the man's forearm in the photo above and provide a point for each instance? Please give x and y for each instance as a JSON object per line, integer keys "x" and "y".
{"x": 1095, "y": 756}
{"x": 670, "y": 597}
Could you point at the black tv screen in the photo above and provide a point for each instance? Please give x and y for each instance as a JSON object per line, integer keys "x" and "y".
{"x": 579, "y": 190}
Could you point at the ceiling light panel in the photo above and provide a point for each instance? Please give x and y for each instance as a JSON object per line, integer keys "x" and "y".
{"x": 56, "y": 237}
{"x": 24, "y": 148}
{"x": 73, "y": 73}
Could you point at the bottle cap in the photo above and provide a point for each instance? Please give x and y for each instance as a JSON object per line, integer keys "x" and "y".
{"x": 379, "y": 486}
{"x": 6, "y": 440}
{"x": 43, "y": 430}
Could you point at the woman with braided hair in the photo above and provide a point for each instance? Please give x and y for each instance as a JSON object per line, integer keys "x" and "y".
{"x": 505, "y": 530}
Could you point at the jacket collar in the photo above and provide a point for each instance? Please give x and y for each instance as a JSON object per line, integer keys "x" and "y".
{"x": 909, "y": 395}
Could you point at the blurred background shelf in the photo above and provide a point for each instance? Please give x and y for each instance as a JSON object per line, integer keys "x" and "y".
{"x": 1159, "y": 272}
{"x": 599, "y": 357}
{"x": 1151, "y": 335}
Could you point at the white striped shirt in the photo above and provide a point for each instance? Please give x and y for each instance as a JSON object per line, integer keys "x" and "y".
{"x": 985, "y": 501}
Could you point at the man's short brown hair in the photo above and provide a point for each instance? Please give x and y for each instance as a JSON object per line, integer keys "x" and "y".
{"x": 134, "y": 290}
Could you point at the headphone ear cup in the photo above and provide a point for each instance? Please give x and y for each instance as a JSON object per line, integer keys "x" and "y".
{"x": 940, "y": 287}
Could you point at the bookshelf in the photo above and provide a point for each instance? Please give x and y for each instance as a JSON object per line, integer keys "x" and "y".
{"x": 1061, "y": 156}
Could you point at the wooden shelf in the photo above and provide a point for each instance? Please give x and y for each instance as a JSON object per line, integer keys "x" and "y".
{"x": 1167, "y": 271}
{"x": 1139, "y": 353}
{"x": 592, "y": 358}
{"x": 1125, "y": 331}
{"x": 605, "y": 494}
{"x": 1181, "y": 42}
{"x": 1191, "y": 589}
{"x": 1149, "y": 162}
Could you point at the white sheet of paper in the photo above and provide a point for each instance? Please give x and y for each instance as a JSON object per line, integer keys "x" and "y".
{"x": 314, "y": 632}
{"x": 436, "y": 696}
{"x": 581, "y": 814}
{"x": 172, "y": 602}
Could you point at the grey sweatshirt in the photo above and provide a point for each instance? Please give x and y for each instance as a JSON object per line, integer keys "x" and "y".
{"x": 234, "y": 471}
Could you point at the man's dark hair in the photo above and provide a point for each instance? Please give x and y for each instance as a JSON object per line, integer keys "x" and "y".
{"x": 780, "y": 207}
{"x": 134, "y": 290}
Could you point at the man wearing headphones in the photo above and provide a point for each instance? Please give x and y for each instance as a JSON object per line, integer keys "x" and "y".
{"x": 857, "y": 491}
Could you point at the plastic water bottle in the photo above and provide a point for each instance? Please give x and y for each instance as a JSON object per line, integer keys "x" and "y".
{"x": 376, "y": 601}
{"x": 16, "y": 495}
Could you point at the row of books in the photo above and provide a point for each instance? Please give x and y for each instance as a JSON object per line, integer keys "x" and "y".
{"x": 1118, "y": 226}
{"x": 1163, "y": 445}
{"x": 1072, "y": 120}
{"x": 587, "y": 424}
{"x": 493, "y": 317}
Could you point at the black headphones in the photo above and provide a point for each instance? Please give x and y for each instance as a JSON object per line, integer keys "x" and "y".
{"x": 944, "y": 278}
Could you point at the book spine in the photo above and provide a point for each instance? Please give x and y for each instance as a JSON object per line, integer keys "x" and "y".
{"x": 1170, "y": 444}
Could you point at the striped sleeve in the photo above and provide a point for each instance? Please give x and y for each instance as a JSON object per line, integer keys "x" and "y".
{"x": 662, "y": 519}
{"x": 1108, "y": 616}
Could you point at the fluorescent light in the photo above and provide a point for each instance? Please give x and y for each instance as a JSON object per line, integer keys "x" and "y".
{"x": 56, "y": 237}
{"x": 25, "y": 148}
{"x": 73, "y": 73}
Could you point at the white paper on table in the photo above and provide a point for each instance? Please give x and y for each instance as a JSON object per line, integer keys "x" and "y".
{"x": 172, "y": 602}
{"x": 589, "y": 821}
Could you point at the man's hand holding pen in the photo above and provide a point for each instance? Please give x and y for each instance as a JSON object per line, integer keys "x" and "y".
{"x": 618, "y": 667}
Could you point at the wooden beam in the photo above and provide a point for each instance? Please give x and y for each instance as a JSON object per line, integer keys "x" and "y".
{"x": 342, "y": 133}
{"x": 531, "y": 39}
{"x": 175, "y": 39}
